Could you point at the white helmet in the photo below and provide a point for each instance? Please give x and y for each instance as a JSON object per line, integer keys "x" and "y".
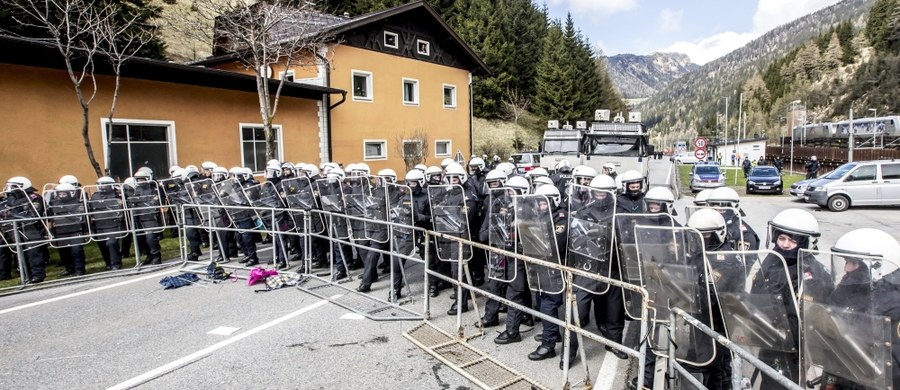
{"x": 609, "y": 168}
{"x": 562, "y": 164}
{"x": 388, "y": 175}
{"x": 415, "y": 176}
{"x": 421, "y": 167}
{"x": 662, "y": 195}
{"x": 69, "y": 179}
{"x": 799, "y": 224}
{"x": 518, "y": 183}
{"x": 350, "y": 169}
{"x": 537, "y": 172}
{"x": 507, "y": 168}
{"x": 446, "y": 162}
{"x": 702, "y": 197}
{"x": 219, "y": 174}
{"x": 476, "y": 164}
{"x": 310, "y": 170}
{"x": 813, "y": 158}
{"x": 172, "y": 170}
{"x": 434, "y": 174}
{"x": 65, "y": 187}
{"x": 628, "y": 177}
{"x": 455, "y": 170}
{"x": 495, "y": 175}
{"x": 273, "y": 161}
{"x": 105, "y": 183}
{"x": 142, "y": 175}
{"x": 19, "y": 182}
{"x": 146, "y": 170}
{"x": 208, "y": 165}
{"x": 496, "y": 158}
{"x": 552, "y": 194}
{"x": 541, "y": 181}
{"x": 871, "y": 242}
{"x": 360, "y": 169}
{"x": 724, "y": 197}
{"x": 603, "y": 182}
{"x": 273, "y": 169}
{"x": 335, "y": 174}
{"x": 709, "y": 221}
{"x": 583, "y": 174}
{"x": 129, "y": 182}
{"x": 179, "y": 173}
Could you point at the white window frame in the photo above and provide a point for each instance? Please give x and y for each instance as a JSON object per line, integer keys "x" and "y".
{"x": 427, "y": 51}
{"x": 279, "y": 135}
{"x": 370, "y": 96}
{"x": 453, "y": 97}
{"x": 289, "y": 73}
{"x": 170, "y": 136}
{"x": 396, "y": 39}
{"x": 384, "y": 145}
{"x": 449, "y": 147}
{"x": 415, "y": 83}
{"x": 412, "y": 141}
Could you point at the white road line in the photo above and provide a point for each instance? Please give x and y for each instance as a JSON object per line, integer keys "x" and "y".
{"x": 85, "y": 292}
{"x": 212, "y": 348}
{"x": 609, "y": 370}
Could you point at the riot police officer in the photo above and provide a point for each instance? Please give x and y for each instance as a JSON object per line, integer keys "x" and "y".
{"x": 812, "y": 168}
{"x": 106, "y": 223}
{"x": 66, "y": 200}
{"x": 741, "y": 235}
{"x": 549, "y": 303}
{"x": 145, "y": 200}
{"x": 493, "y": 183}
{"x": 376, "y": 233}
{"x": 22, "y": 201}
{"x": 517, "y": 290}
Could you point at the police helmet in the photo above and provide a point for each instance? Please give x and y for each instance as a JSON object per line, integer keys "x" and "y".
{"x": 562, "y": 164}
{"x": 537, "y": 172}
{"x": 69, "y": 179}
{"x": 142, "y": 176}
{"x": 723, "y": 197}
{"x": 146, "y": 170}
{"x": 476, "y": 165}
{"x": 208, "y": 165}
{"x": 507, "y": 168}
{"x": 388, "y": 175}
{"x": 663, "y": 196}
{"x": 415, "y": 176}
{"x": 446, "y": 162}
{"x": 455, "y": 170}
{"x": 434, "y": 174}
{"x": 583, "y": 174}
{"x": 709, "y": 221}
{"x": 798, "y": 224}
{"x": 610, "y": 168}
{"x": 421, "y": 167}
{"x": 518, "y": 183}
{"x": 629, "y": 177}
{"x": 494, "y": 176}
{"x": 604, "y": 183}
{"x": 336, "y": 174}
{"x": 541, "y": 181}
{"x": 701, "y": 198}
{"x": 874, "y": 243}
{"x": 219, "y": 174}
{"x": 105, "y": 183}
{"x": 552, "y": 194}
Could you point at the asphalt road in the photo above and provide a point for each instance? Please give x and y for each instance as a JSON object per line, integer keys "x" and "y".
{"x": 123, "y": 332}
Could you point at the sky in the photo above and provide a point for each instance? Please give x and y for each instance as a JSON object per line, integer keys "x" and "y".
{"x": 702, "y": 29}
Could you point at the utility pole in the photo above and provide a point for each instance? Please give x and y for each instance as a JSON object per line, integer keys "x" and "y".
{"x": 740, "y": 118}
{"x": 726, "y": 157}
{"x": 852, "y": 141}
{"x": 793, "y": 114}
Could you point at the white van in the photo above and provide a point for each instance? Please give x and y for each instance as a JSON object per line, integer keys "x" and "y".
{"x": 861, "y": 183}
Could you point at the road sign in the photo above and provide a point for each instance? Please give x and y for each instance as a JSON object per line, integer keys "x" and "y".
{"x": 700, "y": 143}
{"x": 700, "y": 154}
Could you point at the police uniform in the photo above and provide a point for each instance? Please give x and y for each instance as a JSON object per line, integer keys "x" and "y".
{"x": 31, "y": 231}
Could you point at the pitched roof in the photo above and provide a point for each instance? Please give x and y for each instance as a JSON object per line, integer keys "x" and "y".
{"x": 28, "y": 52}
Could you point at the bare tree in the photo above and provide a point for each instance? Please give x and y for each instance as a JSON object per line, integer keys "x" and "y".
{"x": 83, "y": 31}
{"x": 261, "y": 35}
{"x": 413, "y": 146}
{"x": 516, "y": 105}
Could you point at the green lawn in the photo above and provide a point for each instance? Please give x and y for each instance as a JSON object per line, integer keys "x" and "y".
{"x": 95, "y": 262}
{"x": 734, "y": 177}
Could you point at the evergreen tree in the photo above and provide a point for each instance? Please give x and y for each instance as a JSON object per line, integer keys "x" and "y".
{"x": 555, "y": 79}
{"x": 832, "y": 56}
{"x": 882, "y": 25}
{"x": 845, "y": 36}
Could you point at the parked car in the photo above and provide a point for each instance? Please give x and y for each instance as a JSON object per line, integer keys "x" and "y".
{"x": 799, "y": 187}
{"x": 861, "y": 183}
{"x": 684, "y": 158}
{"x": 764, "y": 179}
{"x": 526, "y": 161}
{"x": 705, "y": 176}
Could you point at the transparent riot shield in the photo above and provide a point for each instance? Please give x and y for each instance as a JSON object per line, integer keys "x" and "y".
{"x": 106, "y": 212}
{"x": 449, "y": 215}
{"x": 674, "y": 275}
{"x": 734, "y": 225}
{"x": 239, "y": 209}
{"x": 375, "y": 208}
{"x": 268, "y": 203}
{"x": 332, "y": 195}
{"x": 590, "y": 235}
{"x": 66, "y": 217}
{"x": 300, "y": 194}
{"x": 400, "y": 211}
{"x": 629, "y": 263}
{"x": 177, "y": 196}
{"x": 501, "y": 235}
{"x": 844, "y": 335}
{"x": 28, "y": 230}
{"x": 537, "y": 234}
{"x": 357, "y": 193}
{"x": 203, "y": 193}
{"x": 143, "y": 202}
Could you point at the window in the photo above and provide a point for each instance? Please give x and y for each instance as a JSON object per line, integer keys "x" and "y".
{"x": 442, "y": 148}
{"x": 449, "y": 96}
{"x": 423, "y": 47}
{"x": 865, "y": 172}
{"x": 253, "y": 146}
{"x": 412, "y": 148}
{"x": 890, "y": 171}
{"x": 286, "y": 76}
{"x": 391, "y": 40}
{"x": 362, "y": 85}
{"x": 410, "y": 91}
{"x": 132, "y": 144}
{"x": 374, "y": 149}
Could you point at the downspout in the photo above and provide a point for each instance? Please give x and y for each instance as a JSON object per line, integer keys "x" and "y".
{"x": 471, "y": 118}
{"x": 328, "y": 101}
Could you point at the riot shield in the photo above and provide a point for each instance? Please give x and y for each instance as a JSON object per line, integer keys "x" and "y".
{"x": 268, "y": 203}
{"x": 449, "y": 215}
{"x": 238, "y": 207}
{"x": 843, "y": 335}
{"x": 400, "y": 211}
{"x": 300, "y": 193}
{"x": 501, "y": 235}
{"x": 143, "y": 202}
{"x": 629, "y": 263}
{"x": 590, "y": 234}
{"x": 537, "y": 234}
{"x": 357, "y": 194}
{"x": 332, "y": 195}
{"x": 734, "y": 224}
{"x": 66, "y": 216}
{"x": 178, "y": 196}
{"x": 674, "y": 275}
{"x": 375, "y": 209}
{"x": 28, "y": 230}
{"x": 106, "y": 212}
{"x": 203, "y": 193}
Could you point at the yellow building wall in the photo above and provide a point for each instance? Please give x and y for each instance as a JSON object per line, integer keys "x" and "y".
{"x": 41, "y": 129}
{"x": 386, "y": 117}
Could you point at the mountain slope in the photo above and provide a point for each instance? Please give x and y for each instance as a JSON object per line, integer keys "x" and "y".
{"x": 638, "y": 76}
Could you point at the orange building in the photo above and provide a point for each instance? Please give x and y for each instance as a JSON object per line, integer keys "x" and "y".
{"x": 392, "y": 73}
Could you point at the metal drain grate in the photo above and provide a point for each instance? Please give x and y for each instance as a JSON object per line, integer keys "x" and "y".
{"x": 350, "y": 299}
{"x": 481, "y": 369}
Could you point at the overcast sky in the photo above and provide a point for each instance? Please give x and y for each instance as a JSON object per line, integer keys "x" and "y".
{"x": 702, "y": 29}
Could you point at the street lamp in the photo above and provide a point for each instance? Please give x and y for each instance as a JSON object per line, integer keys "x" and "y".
{"x": 793, "y": 114}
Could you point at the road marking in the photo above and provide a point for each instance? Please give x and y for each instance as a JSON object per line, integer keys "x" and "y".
{"x": 609, "y": 369}
{"x": 85, "y": 292}
{"x": 223, "y": 331}
{"x": 152, "y": 374}
{"x": 352, "y": 316}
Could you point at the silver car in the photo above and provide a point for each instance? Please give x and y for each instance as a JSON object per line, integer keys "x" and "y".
{"x": 862, "y": 183}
